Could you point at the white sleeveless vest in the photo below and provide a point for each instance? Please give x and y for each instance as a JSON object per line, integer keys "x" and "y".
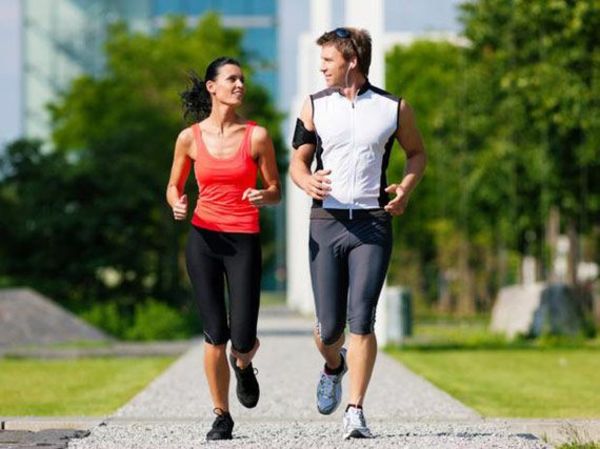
{"x": 354, "y": 140}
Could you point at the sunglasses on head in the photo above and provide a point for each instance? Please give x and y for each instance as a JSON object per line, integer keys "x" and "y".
{"x": 344, "y": 33}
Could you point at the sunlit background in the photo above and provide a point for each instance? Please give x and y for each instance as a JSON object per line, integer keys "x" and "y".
{"x": 505, "y": 93}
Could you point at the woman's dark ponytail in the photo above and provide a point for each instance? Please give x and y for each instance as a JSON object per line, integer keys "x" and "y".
{"x": 196, "y": 100}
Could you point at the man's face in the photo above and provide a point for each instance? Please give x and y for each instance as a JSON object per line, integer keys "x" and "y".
{"x": 333, "y": 66}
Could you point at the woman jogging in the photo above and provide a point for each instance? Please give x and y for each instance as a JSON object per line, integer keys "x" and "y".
{"x": 226, "y": 152}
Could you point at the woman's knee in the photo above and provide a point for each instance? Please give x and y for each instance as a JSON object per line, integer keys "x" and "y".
{"x": 243, "y": 343}
{"x": 216, "y": 337}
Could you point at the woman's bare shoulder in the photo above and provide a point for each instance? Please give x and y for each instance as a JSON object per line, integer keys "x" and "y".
{"x": 260, "y": 134}
{"x": 186, "y": 136}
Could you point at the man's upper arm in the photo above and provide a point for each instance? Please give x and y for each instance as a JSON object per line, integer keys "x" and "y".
{"x": 305, "y": 137}
{"x": 408, "y": 134}
{"x": 306, "y": 114}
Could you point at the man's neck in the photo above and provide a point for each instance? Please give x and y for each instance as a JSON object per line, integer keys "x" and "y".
{"x": 355, "y": 82}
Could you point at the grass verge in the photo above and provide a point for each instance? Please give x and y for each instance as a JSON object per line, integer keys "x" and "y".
{"x": 81, "y": 387}
{"x": 547, "y": 377}
{"x": 531, "y": 383}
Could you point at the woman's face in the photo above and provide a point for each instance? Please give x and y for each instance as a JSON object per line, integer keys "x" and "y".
{"x": 228, "y": 86}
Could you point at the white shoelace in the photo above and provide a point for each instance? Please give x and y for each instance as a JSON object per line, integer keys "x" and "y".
{"x": 357, "y": 418}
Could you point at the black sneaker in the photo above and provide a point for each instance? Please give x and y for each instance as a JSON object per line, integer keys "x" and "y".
{"x": 247, "y": 388}
{"x": 222, "y": 426}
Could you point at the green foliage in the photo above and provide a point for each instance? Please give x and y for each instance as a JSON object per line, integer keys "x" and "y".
{"x": 106, "y": 316}
{"x": 546, "y": 77}
{"x": 510, "y": 121}
{"x": 45, "y": 240}
{"x": 424, "y": 74}
{"x": 88, "y": 219}
{"x": 155, "y": 320}
{"x": 146, "y": 320}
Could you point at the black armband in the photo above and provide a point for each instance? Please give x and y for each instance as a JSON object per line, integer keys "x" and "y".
{"x": 303, "y": 135}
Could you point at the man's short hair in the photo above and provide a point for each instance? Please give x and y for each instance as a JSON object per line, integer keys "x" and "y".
{"x": 350, "y": 42}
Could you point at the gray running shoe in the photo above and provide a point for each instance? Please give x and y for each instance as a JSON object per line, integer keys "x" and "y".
{"x": 355, "y": 424}
{"x": 329, "y": 389}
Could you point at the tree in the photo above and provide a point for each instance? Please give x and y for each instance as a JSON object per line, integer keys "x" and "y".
{"x": 103, "y": 195}
{"x": 544, "y": 65}
{"x": 510, "y": 122}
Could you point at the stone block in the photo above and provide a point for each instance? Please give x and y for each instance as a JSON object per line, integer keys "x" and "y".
{"x": 536, "y": 309}
{"x": 26, "y": 317}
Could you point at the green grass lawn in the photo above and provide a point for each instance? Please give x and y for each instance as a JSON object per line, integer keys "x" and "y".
{"x": 540, "y": 383}
{"x": 82, "y": 387}
{"x": 549, "y": 377}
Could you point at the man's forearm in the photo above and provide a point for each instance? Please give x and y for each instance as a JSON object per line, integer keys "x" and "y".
{"x": 299, "y": 172}
{"x": 415, "y": 167}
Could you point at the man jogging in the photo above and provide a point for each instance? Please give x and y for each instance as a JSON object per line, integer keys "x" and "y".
{"x": 350, "y": 128}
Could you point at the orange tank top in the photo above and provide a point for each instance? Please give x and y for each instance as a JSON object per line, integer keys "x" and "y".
{"x": 221, "y": 184}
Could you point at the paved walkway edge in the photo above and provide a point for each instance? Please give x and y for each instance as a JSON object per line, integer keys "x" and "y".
{"x": 36, "y": 424}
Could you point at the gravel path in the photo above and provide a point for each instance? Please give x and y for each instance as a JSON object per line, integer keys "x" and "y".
{"x": 403, "y": 410}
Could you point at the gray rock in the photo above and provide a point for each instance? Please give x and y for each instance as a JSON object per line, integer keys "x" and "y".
{"x": 536, "y": 309}
{"x": 26, "y": 317}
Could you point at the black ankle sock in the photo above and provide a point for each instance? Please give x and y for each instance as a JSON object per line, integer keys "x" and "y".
{"x": 337, "y": 370}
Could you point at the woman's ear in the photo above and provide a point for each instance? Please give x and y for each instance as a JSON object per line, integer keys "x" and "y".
{"x": 210, "y": 87}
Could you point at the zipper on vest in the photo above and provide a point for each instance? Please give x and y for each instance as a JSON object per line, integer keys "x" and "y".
{"x": 353, "y": 149}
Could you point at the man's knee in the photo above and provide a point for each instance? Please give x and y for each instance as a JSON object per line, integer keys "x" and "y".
{"x": 361, "y": 331}
{"x": 362, "y": 327}
{"x": 329, "y": 334}
{"x": 362, "y": 322}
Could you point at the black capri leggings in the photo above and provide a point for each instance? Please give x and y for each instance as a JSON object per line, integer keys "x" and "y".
{"x": 214, "y": 258}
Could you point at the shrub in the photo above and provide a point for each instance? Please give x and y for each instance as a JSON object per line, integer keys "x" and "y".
{"x": 154, "y": 320}
{"x": 147, "y": 320}
{"x": 108, "y": 317}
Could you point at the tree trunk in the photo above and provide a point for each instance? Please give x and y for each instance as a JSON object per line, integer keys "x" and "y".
{"x": 552, "y": 231}
{"x": 573, "y": 259}
{"x": 466, "y": 291}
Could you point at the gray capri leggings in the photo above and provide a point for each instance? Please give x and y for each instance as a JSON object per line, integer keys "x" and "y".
{"x": 349, "y": 259}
